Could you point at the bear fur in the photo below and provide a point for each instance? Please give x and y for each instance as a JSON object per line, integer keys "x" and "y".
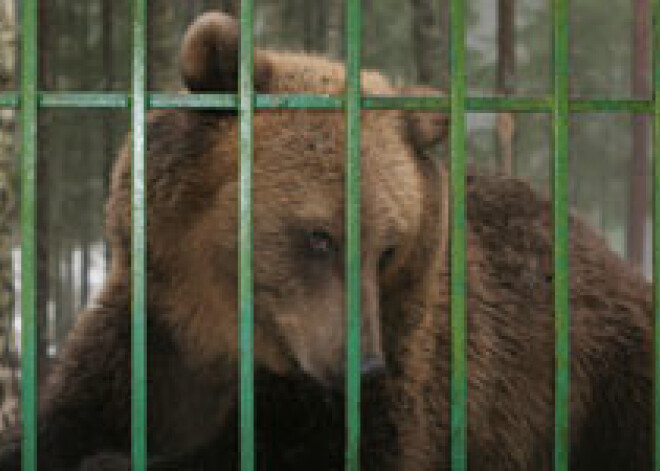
{"x": 192, "y": 321}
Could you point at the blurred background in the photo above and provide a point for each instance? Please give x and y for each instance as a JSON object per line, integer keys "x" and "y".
{"x": 85, "y": 45}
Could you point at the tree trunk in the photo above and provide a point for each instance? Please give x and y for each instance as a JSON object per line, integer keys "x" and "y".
{"x": 109, "y": 85}
{"x": 8, "y": 364}
{"x": 86, "y": 167}
{"x": 315, "y": 25}
{"x": 58, "y": 288}
{"x": 336, "y": 28}
{"x": 639, "y": 166}
{"x": 229, "y": 6}
{"x": 161, "y": 46}
{"x": 321, "y": 25}
{"x": 65, "y": 268}
{"x": 426, "y": 37}
{"x": 46, "y": 82}
{"x": 445, "y": 26}
{"x": 506, "y": 57}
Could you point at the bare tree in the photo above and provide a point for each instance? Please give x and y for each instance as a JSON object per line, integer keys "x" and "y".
{"x": 426, "y": 37}
{"x": 162, "y": 44}
{"x": 639, "y": 165}
{"x": 335, "y": 28}
{"x": 505, "y": 76}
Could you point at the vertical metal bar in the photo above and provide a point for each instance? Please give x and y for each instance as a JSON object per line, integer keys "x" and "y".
{"x": 29, "y": 116}
{"x": 246, "y": 285}
{"x": 656, "y": 230}
{"x": 560, "y": 117}
{"x": 139, "y": 256}
{"x": 353, "y": 205}
{"x": 458, "y": 241}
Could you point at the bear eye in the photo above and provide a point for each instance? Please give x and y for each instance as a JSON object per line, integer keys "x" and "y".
{"x": 320, "y": 244}
{"x": 386, "y": 258}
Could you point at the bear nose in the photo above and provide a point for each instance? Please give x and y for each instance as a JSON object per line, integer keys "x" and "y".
{"x": 372, "y": 366}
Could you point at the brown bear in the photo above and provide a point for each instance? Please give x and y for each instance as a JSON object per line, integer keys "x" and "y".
{"x": 192, "y": 185}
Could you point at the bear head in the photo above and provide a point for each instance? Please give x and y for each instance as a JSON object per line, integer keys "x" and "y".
{"x": 299, "y": 217}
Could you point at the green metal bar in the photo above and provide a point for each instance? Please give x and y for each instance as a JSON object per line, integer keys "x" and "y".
{"x": 560, "y": 116}
{"x": 458, "y": 240}
{"x": 29, "y": 117}
{"x": 418, "y": 103}
{"x": 501, "y": 104}
{"x": 229, "y": 101}
{"x": 84, "y": 100}
{"x": 246, "y": 285}
{"x": 139, "y": 248}
{"x": 610, "y": 106}
{"x": 206, "y": 100}
{"x": 9, "y": 100}
{"x": 656, "y": 231}
{"x": 352, "y": 251}
{"x": 475, "y": 104}
{"x": 328, "y": 102}
{"x": 300, "y": 101}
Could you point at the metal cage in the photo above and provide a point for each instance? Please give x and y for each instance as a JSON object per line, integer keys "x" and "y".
{"x": 29, "y": 100}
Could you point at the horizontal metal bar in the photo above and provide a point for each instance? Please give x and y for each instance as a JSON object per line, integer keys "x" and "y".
{"x": 512, "y": 104}
{"x": 616, "y": 106}
{"x": 473, "y": 104}
{"x": 84, "y": 100}
{"x": 299, "y": 101}
{"x": 425, "y": 103}
{"x": 201, "y": 101}
{"x": 228, "y": 101}
{"x": 9, "y": 100}
{"x": 328, "y": 102}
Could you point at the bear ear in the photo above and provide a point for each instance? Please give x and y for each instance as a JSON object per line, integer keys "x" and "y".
{"x": 208, "y": 59}
{"x": 425, "y": 130}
